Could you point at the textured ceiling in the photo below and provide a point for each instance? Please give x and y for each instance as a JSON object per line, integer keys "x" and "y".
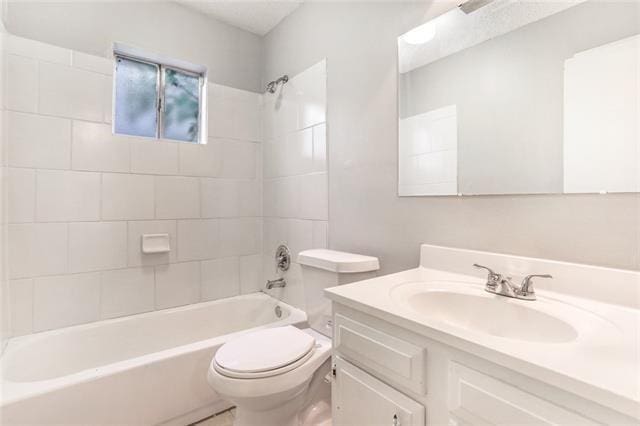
{"x": 259, "y": 17}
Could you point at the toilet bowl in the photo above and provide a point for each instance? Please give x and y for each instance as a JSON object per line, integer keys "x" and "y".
{"x": 268, "y": 376}
{"x": 280, "y": 376}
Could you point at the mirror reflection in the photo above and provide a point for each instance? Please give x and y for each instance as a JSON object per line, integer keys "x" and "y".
{"x": 521, "y": 97}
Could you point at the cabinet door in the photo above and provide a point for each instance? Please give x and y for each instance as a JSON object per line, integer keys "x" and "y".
{"x": 478, "y": 399}
{"x": 362, "y": 400}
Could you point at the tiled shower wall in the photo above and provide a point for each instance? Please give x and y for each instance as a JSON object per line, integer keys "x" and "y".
{"x": 295, "y": 174}
{"x": 80, "y": 197}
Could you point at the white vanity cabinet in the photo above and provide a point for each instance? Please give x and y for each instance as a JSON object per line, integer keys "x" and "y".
{"x": 361, "y": 399}
{"x": 389, "y": 375}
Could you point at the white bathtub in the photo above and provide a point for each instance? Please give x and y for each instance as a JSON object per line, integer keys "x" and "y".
{"x": 143, "y": 369}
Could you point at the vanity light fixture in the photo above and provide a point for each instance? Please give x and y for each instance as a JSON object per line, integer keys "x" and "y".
{"x": 421, "y": 35}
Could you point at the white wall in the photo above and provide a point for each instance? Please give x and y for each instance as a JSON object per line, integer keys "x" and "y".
{"x": 295, "y": 175}
{"x": 80, "y": 197}
{"x": 232, "y": 56}
{"x": 359, "y": 42}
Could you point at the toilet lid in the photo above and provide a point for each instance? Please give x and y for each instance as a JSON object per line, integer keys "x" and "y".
{"x": 264, "y": 350}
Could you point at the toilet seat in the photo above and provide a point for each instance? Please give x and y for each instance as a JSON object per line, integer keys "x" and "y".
{"x": 264, "y": 353}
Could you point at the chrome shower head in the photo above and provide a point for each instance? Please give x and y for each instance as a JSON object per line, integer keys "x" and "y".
{"x": 273, "y": 85}
{"x": 473, "y": 5}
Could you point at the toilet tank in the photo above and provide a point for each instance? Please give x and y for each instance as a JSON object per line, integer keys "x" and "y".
{"x": 322, "y": 268}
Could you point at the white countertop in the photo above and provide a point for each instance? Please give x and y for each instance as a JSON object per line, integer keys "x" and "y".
{"x": 601, "y": 364}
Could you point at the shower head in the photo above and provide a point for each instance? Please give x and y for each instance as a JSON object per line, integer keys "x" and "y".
{"x": 473, "y": 5}
{"x": 273, "y": 85}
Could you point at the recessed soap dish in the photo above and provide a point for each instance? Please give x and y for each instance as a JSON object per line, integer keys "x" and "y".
{"x": 155, "y": 243}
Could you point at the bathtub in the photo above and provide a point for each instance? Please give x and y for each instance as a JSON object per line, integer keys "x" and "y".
{"x": 143, "y": 369}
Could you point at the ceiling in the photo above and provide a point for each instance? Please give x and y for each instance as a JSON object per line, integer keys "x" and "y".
{"x": 258, "y": 17}
{"x": 456, "y": 31}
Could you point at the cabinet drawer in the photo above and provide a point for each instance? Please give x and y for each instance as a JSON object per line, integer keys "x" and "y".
{"x": 360, "y": 399}
{"x": 394, "y": 359}
{"x": 475, "y": 398}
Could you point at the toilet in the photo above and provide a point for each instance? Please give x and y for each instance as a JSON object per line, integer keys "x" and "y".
{"x": 279, "y": 376}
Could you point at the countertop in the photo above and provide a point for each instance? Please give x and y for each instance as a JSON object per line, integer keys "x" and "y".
{"x": 602, "y": 364}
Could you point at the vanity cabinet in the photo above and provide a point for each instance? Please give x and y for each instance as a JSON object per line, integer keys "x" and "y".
{"x": 476, "y": 398}
{"x": 361, "y": 399}
{"x": 388, "y": 375}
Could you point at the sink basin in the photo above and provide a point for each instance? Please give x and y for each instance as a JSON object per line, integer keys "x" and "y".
{"x": 469, "y": 307}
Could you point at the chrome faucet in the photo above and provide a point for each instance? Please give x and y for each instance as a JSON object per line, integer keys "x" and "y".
{"x": 279, "y": 283}
{"x": 503, "y": 286}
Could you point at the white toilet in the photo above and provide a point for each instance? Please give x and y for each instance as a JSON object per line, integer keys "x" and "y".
{"x": 276, "y": 376}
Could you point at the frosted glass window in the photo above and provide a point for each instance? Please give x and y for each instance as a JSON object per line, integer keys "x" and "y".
{"x": 156, "y": 100}
{"x": 136, "y": 102}
{"x": 181, "y": 109}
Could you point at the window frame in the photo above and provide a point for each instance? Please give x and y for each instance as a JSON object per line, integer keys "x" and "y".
{"x": 162, "y": 64}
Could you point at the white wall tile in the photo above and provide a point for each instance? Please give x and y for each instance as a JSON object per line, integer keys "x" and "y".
{"x": 38, "y": 141}
{"x": 127, "y": 196}
{"x": 314, "y": 197}
{"x": 127, "y": 292}
{"x": 239, "y": 159}
{"x": 177, "y": 284}
{"x": 220, "y": 117}
{"x": 92, "y": 63}
{"x": 247, "y": 116}
{"x": 270, "y": 197}
{"x": 107, "y": 99}
{"x": 231, "y": 198}
{"x": 96, "y": 148}
{"x": 38, "y": 50}
{"x": 21, "y": 306}
{"x": 97, "y": 246}
{"x": 134, "y": 247}
{"x": 291, "y": 190}
{"x": 35, "y": 49}
{"x": 37, "y": 249}
{"x": 177, "y": 197}
{"x": 220, "y": 278}
{"x": 21, "y": 83}
{"x": 320, "y": 148}
{"x": 240, "y": 236}
{"x": 67, "y": 196}
{"x": 154, "y": 157}
{"x": 220, "y": 198}
{"x": 299, "y": 235}
{"x": 70, "y": 92}
{"x": 311, "y": 95}
{"x": 297, "y": 155}
{"x": 200, "y": 159}
{"x": 275, "y": 233}
{"x": 251, "y": 274}
{"x": 198, "y": 239}
{"x": 250, "y": 198}
{"x": 320, "y": 234}
{"x": 21, "y": 195}
{"x": 65, "y": 300}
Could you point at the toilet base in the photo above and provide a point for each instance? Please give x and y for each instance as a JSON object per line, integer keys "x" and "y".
{"x": 309, "y": 405}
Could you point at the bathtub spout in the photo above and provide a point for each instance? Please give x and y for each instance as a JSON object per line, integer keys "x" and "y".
{"x": 280, "y": 282}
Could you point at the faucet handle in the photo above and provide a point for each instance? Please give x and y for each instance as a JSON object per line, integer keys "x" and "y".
{"x": 493, "y": 278}
{"x": 526, "y": 288}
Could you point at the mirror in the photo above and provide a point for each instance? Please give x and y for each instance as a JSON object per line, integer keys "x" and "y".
{"x": 518, "y": 97}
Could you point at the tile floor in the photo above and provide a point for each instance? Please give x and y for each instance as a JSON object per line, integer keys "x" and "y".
{"x": 224, "y": 418}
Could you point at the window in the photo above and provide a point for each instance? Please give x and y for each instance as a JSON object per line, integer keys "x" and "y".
{"x": 158, "y": 100}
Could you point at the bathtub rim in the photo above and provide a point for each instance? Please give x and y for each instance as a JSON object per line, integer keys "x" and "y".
{"x": 14, "y": 392}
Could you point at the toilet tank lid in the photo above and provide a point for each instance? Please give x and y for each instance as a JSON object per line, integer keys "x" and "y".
{"x": 338, "y": 261}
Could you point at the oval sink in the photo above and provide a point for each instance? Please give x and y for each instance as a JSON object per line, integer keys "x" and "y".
{"x": 474, "y": 310}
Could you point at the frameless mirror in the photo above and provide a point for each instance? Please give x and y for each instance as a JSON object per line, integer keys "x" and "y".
{"x": 521, "y": 97}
